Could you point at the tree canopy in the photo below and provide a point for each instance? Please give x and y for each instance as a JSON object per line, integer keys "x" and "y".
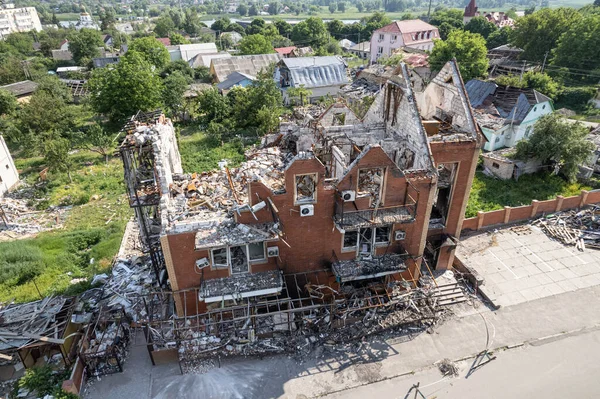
{"x": 468, "y": 49}
{"x": 556, "y": 140}
{"x": 482, "y": 26}
{"x": 130, "y": 86}
{"x": 255, "y": 44}
{"x": 311, "y": 32}
{"x": 153, "y": 51}
{"x": 84, "y": 45}
{"x": 538, "y": 33}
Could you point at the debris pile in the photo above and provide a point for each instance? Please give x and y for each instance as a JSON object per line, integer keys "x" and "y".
{"x": 107, "y": 347}
{"x": 578, "y": 228}
{"x": 214, "y": 194}
{"x": 448, "y": 368}
{"x": 18, "y": 219}
{"x": 338, "y": 320}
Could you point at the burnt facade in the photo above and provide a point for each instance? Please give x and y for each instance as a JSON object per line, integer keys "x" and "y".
{"x": 337, "y": 200}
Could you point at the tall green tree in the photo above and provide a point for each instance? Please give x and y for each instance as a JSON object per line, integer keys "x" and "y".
{"x": 175, "y": 86}
{"x": 8, "y": 102}
{"x": 274, "y": 7}
{"x": 255, "y": 44}
{"x": 498, "y": 38}
{"x": 152, "y": 50}
{"x": 212, "y": 107}
{"x": 555, "y": 140}
{"x": 107, "y": 19}
{"x": 310, "y": 32}
{"x": 538, "y": 33}
{"x": 96, "y": 139}
{"x": 164, "y": 25}
{"x": 482, "y": 26}
{"x": 468, "y": 49}
{"x": 56, "y": 154}
{"x": 579, "y": 48}
{"x": 131, "y": 85}
{"x": 242, "y": 10}
{"x": 84, "y": 45}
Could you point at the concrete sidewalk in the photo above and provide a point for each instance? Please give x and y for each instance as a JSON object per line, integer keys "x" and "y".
{"x": 284, "y": 377}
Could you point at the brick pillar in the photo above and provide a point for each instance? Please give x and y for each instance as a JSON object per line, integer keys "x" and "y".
{"x": 583, "y": 198}
{"x": 534, "y": 207}
{"x": 507, "y": 210}
{"x": 559, "y": 202}
{"x": 480, "y": 216}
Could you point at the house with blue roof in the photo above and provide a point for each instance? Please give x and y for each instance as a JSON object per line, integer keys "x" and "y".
{"x": 506, "y": 115}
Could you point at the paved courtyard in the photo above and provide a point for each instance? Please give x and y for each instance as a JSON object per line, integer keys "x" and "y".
{"x": 521, "y": 263}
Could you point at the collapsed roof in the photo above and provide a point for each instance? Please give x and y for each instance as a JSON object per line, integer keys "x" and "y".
{"x": 313, "y": 72}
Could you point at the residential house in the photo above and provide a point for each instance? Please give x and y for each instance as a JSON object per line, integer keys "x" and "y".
{"x": 63, "y": 72}
{"x": 164, "y": 40}
{"x": 9, "y": 176}
{"x": 107, "y": 40}
{"x": 14, "y": 20}
{"x": 346, "y": 44}
{"x": 125, "y": 27}
{"x": 361, "y": 50}
{"x": 302, "y": 52}
{"x": 205, "y": 59}
{"x": 503, "y": 165}
{"x": 22, "y": 90}
{"x": 409, "y": 33}
{"x": 340, "y": 202}
{"x": 285, "y": 52}
{"x": 188, "y": 51}
{"x": 251, "y": 65}
{"x": 505, "y": 60}
{"x": 506, "y": 115}
{"x": 498, "y": 18}
{"x": 233, "y": 80}
{"x": 323, "y": 76}
{"x": 101, "y": 62}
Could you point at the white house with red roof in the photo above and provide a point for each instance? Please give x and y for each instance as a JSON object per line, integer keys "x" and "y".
{"x": 412, "y": 33}
{"x": 498, "y": 18}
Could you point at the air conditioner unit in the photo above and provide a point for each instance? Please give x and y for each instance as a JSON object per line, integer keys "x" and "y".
{"x": 349, "y": 195}
{"x": 307, "y": 210}
{"x": 272, "y": 252}
{"x": 399, "y": 235}
{"x": 202, "y": 263}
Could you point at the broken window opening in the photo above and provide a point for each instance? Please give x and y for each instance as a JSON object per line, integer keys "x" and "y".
{"x": 219, "y": 258}
{"x": 306, "y": 187}
{"x": 382, "y": 235}
{"x": 370, "y": 182}
{"x": 496, "y": 165}
{"x": 239, "y": 259}
{"x": 339, "y": 119}
{"x": 350, "y": 240}
{"x": 441, "y": 204}
{"x": 256, "y": 251}
{"x": 365, "y": 241}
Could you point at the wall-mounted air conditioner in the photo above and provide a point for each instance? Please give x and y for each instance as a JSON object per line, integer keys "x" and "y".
{"x": 202, "y": 263}
{"x": 307, "y": 210}
{"x": 349, "y": 195}
{"x": 272, "y": 252}
{"x": 399, "y": 235}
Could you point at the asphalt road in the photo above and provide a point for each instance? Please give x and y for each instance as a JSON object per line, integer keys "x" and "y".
{"x": 566, "y": 367}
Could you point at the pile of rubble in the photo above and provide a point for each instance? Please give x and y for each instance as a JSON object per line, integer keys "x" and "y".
{"x": 334, "y": 325}
{"x": 216, "y": 193}
{"x": 19, "y": 220}
{"x": 578, "y": 228}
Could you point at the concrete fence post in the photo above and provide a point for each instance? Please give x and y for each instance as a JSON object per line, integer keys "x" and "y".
{"x": 534, "y": 207}
{"x": 559, "y": 202}
{"x": 480, "y": 216}
{"x": 583, "y": 198}
{"x": 507, "y": 210}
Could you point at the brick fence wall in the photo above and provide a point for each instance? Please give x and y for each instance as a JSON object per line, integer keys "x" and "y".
{"x": 537, "y": 208}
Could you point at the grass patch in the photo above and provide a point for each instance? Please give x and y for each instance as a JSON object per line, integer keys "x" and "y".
{"x": 199, "y": 153}
{"x": 488, "y": 193}
{"x": 93, "y": 229}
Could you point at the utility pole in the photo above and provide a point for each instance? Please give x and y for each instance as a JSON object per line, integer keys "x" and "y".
{"x": 544, "y": 63}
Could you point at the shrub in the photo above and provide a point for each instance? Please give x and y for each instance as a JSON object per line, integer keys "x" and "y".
{"x": 575, "y": 98}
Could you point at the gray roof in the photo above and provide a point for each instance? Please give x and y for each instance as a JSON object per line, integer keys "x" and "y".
{"x": 23, "y": 88}
{"x": 233, "y": 79}
{"x": 317, "y": 71}
{"x": 249, "y": 64}
{"x": 478, "y": 91}
{"x": 364, "y": 46}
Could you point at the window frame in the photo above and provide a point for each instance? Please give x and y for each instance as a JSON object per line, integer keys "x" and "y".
{"x": 316, "y": 189}
{"x": 374, "y": 244}
{"x": 250, "y": 262}
{"x": 219, "y": 266}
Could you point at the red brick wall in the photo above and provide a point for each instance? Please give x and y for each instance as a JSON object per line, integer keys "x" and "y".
{"x": 537, "y": 208}
{"x": 312, "y": 240}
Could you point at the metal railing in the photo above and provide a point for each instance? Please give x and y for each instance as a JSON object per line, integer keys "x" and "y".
{"x": 345, "y": 217}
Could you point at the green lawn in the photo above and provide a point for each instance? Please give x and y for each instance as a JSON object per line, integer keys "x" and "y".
{"x": 199, "y": 153}
{"x": 93, "y": 230}
{"x": 488, "y": 193}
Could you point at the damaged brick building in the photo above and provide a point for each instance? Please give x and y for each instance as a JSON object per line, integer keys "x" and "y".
{"x": 325, "y": 202}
